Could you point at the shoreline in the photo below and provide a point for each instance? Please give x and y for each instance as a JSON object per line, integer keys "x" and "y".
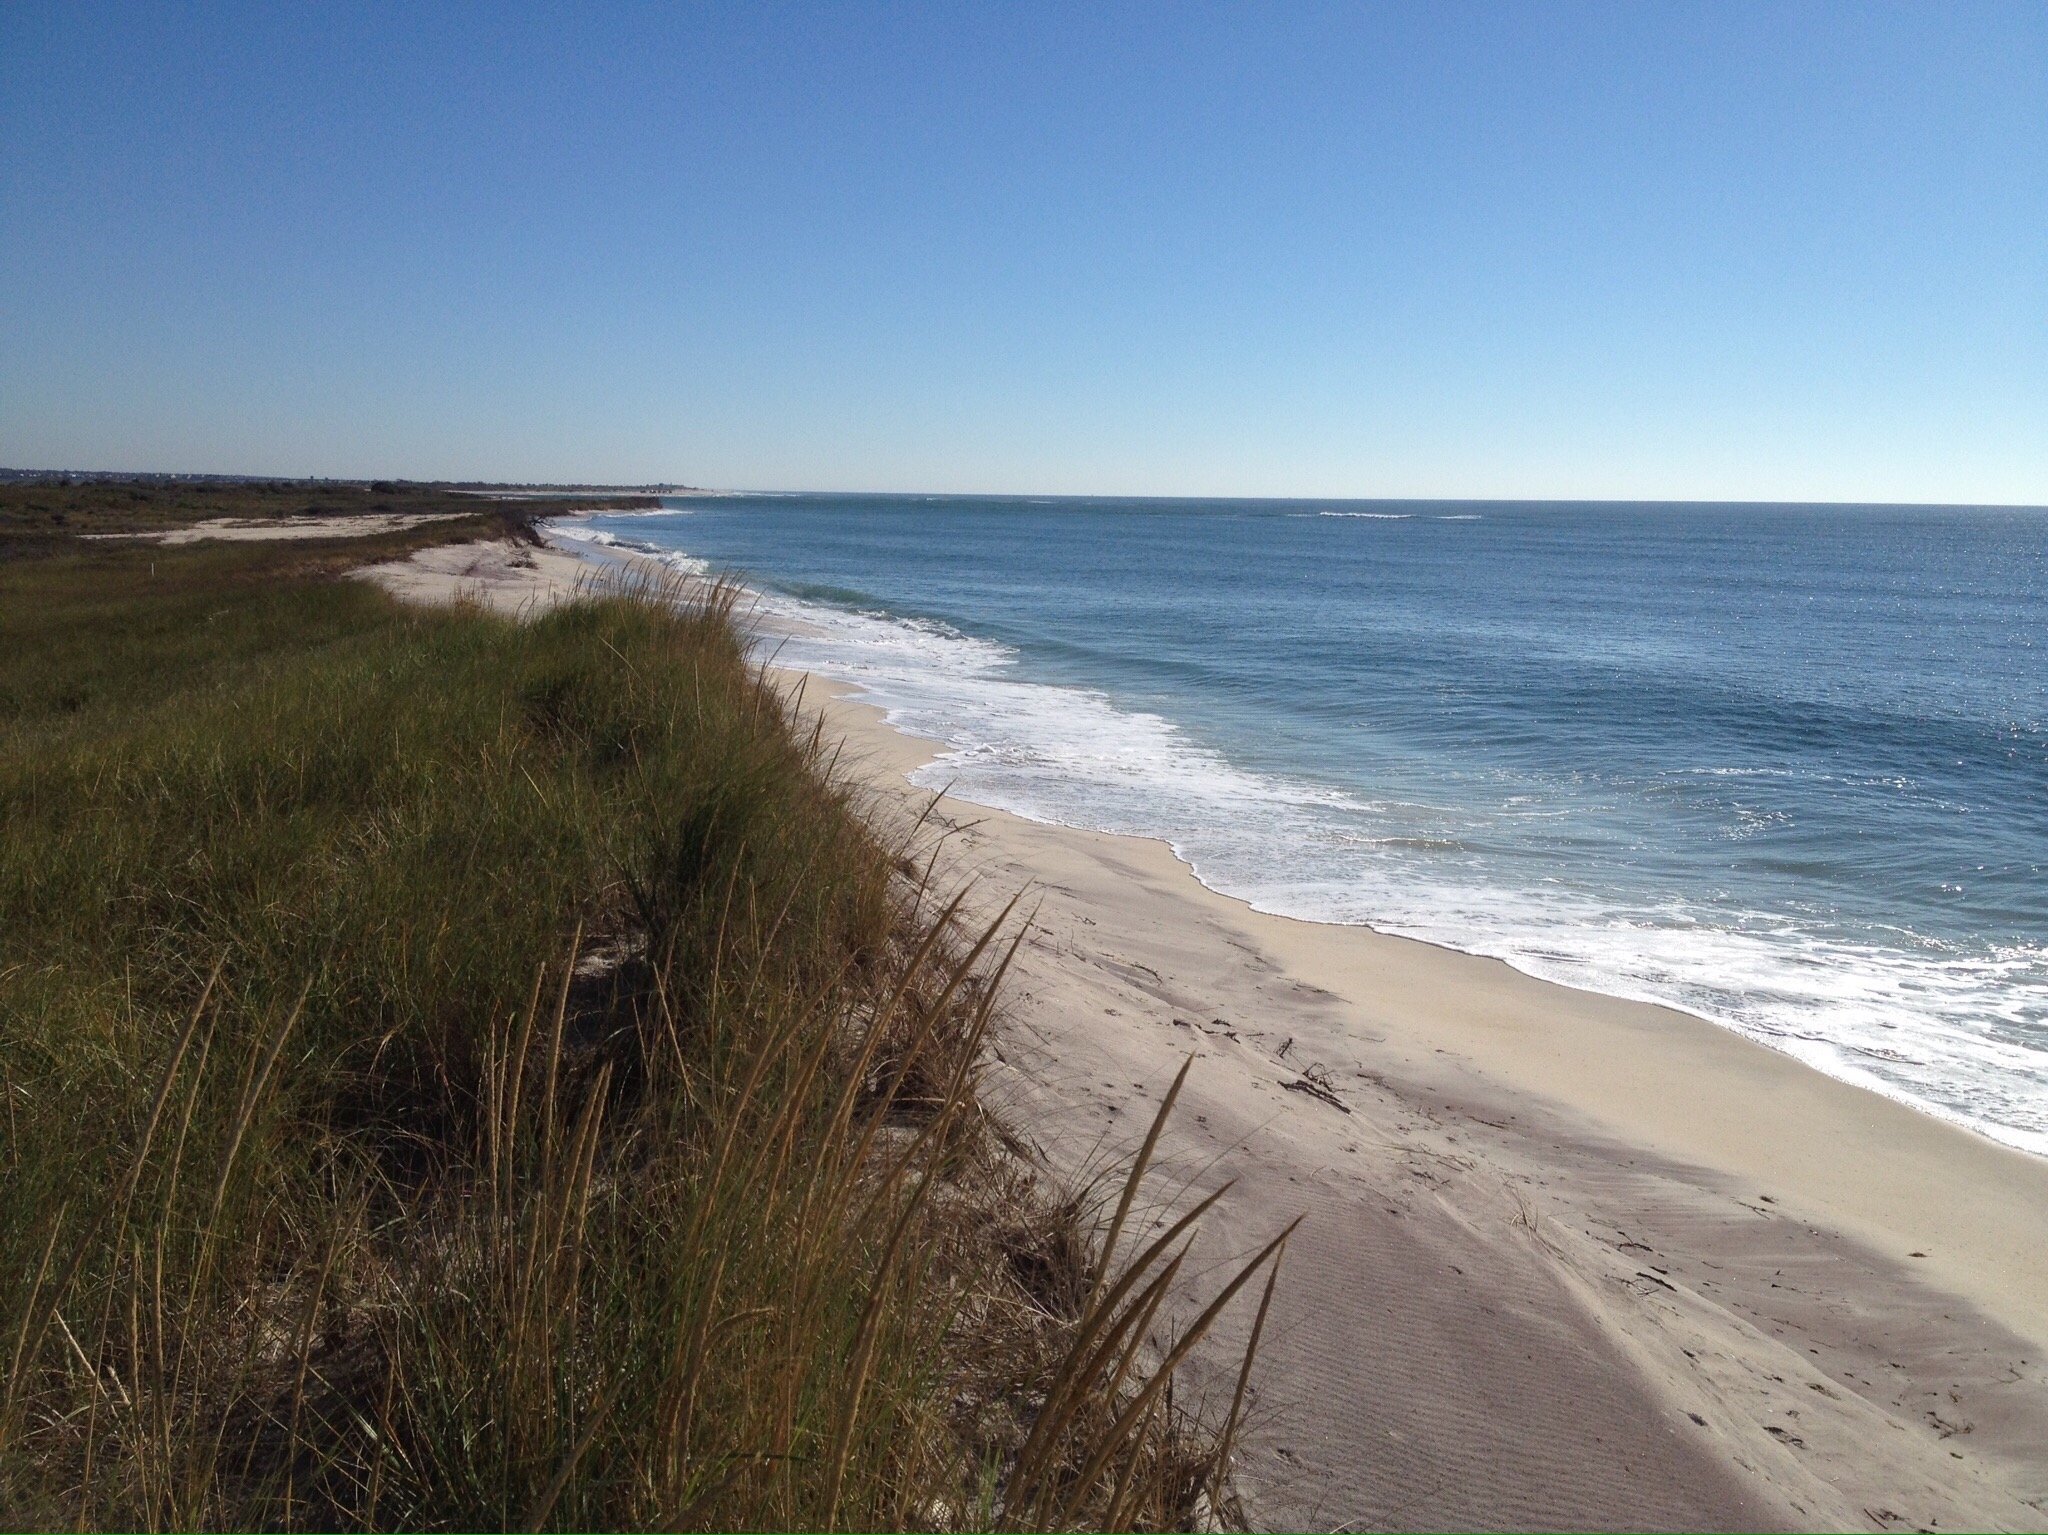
{"x": 1865, "y": 1082}
{"x": 1622, "y": 1265}
{"x": 1310, "y": 940}
{"x": 1653, "y": 1149}
{"x": 1842, "y": 1071}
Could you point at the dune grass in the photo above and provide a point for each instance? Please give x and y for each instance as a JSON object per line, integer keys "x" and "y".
{"x": 473, "y": 1074}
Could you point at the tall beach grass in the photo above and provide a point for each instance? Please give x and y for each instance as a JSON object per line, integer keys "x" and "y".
{"x": 463, "y": 1073}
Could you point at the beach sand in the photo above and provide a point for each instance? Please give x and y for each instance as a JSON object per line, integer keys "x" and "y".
{"x": 242, "y": 530}
{"x": 496, "y": 572}
{"x": 1566, "y": 1260}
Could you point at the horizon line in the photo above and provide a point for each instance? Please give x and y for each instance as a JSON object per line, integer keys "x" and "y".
{"x": 679, "y": 487}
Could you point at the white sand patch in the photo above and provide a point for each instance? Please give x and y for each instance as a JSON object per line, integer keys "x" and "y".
{"x": 264, "y": 529}
{"x": 499, "y": 573}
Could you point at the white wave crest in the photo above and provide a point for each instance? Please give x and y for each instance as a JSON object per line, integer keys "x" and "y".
{"x": 596, "y": 541}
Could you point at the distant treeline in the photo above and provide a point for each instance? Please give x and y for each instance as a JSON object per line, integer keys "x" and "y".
{"x": 481, "y": 487}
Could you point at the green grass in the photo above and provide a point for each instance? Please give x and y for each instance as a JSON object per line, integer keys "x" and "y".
{"x": 462, "y": 1073}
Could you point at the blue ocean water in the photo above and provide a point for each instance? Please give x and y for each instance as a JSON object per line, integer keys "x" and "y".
{"x": 1785, "y": 767}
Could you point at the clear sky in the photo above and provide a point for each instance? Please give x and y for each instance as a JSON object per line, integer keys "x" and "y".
{"x": 1724, "y": 250}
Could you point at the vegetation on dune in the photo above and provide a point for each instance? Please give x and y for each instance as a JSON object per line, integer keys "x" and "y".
{"x": 48, "y": 516}
{"x": 462, "y": 1073}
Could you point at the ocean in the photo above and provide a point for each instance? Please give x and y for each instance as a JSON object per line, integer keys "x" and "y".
{"x": 1785, "y": 767}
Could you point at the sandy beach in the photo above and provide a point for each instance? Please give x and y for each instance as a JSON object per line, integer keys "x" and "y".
{"x": 243, "y": 530}
{"x": 1566, "y": 1261}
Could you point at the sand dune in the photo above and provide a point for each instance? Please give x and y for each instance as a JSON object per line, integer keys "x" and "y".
{"x": 269, "y": 529}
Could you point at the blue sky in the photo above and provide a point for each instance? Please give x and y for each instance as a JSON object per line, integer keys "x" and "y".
{"x": 1644, "y": 250}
